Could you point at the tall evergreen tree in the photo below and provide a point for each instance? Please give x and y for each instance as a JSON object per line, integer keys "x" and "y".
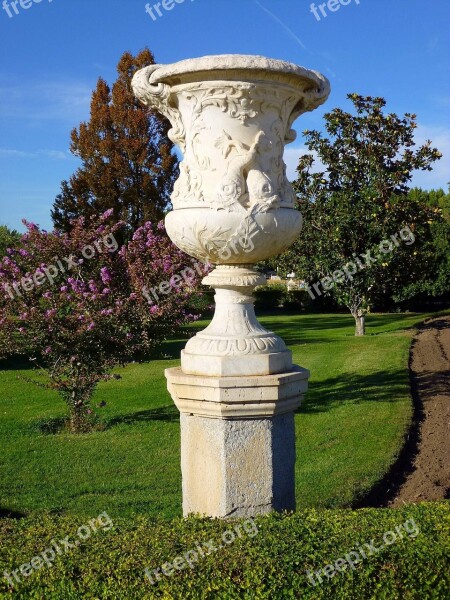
{"x": 128, "y": 162}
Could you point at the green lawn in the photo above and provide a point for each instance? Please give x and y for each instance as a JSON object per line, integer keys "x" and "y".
{"x": 349, "y": 429}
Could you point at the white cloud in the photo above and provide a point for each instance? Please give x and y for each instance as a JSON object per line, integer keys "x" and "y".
{"x": 55, "y": 154}
{"x": 283, "y": 25}
{"x": 66, "y": 101}
{"x": 440, "y": 175}
{"x": 433, "y": 44}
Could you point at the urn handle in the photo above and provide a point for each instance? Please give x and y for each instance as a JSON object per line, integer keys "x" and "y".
{"x": 310, "y": 98}
{"x": 159, "y": 96}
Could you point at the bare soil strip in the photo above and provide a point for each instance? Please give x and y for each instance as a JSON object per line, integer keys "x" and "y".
{"x": 422, "y": 470}
{"x": 429, "y": 478}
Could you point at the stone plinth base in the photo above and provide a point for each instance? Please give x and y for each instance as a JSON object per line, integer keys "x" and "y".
{"x": 237, "y": 441}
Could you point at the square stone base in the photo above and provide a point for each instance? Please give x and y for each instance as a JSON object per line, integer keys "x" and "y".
{"x": 239, "y": 467}
{"x": 237, "y": 441}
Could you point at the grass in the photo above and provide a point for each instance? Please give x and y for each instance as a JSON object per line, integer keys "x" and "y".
{"x": 349, "y": 430}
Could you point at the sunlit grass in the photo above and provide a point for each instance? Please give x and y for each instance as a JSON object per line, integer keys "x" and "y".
{"x": 349, "y": 429}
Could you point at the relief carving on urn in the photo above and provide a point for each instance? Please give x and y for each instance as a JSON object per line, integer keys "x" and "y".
{"x": 231, "y": 117}
{"x": 232, "y": 204}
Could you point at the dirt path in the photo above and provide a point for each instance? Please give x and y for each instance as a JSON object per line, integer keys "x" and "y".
{"x": 429, "y": 476}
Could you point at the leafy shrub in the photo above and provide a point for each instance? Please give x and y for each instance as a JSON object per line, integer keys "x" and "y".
{"x": 272, "y": 564}
{"x": 297, "y": 300}
{"x": 81, "y": 319}
{"x": 203, "y": 301}
{"x": 271, "y": 296}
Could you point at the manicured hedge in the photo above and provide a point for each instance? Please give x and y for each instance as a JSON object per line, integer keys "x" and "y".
{"x": 270, "y": 296}
{"x": 271, "y": 563}
{"x": 297, "y": 300}
{"x": 277, "y": 295}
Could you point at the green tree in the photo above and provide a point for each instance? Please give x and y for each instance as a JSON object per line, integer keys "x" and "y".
{"x": 359, "y": 201}
{"x": 435, "y": 279}
{"x": 128, "y": 163}
{"x": 8, "y": 239}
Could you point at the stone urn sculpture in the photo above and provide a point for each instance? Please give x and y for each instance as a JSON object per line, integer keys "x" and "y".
{"x": 233, "y": 206}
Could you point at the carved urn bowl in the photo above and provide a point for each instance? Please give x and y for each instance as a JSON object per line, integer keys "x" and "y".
{"x": 232, "y": 115}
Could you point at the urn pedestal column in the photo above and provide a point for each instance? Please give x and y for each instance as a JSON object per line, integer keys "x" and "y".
{"x": 237, "y": 389}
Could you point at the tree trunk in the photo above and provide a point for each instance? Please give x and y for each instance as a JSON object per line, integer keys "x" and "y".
{"x": 79, "y": 421}
{"x": 360, "y": 323}
{"x": 79, "y": 415}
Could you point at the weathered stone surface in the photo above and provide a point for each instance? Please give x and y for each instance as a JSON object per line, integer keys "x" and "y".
{"x": 237, "y": 397}
{"x": 232, "y": 116}
{"x": 237, "y": 441}
{"x": 237, "y": 468}
{"x": 234, "y": 343}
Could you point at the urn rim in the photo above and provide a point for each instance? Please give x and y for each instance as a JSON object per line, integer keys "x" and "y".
{"x": 240, "y": 67}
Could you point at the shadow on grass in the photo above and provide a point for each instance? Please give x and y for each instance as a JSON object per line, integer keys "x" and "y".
{"x": 61, "y": 426}
{"x": 289, "y": 328}
{"x": 172, "y": 347}
{"x": 163, "y": 413}
{"x": 293, "y": 331}
{"x": 7, "y": 513}
{"x": 381, "y": 386}
{"x": 322, "y": 396}
{"x": 308, "y": 330}
{"x": 16, "y": 363}
{"x": 50, "y": 426}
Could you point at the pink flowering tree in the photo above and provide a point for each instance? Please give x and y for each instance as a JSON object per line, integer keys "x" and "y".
{"x": 77, "y": 304}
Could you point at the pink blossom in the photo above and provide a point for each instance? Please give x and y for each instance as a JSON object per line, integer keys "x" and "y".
{"x": 106, "y": 297}
{"x": 105, "y": 275}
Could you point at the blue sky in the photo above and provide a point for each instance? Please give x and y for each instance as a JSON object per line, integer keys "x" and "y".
{"x": 54, "y": 51}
